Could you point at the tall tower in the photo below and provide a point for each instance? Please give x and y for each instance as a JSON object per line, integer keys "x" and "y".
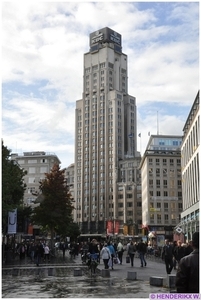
{"x": 105, "y": 130}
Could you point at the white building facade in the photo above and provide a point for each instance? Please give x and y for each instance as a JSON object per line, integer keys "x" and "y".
{"x": 161, "y": 185}
{"x": 190, "y": 150}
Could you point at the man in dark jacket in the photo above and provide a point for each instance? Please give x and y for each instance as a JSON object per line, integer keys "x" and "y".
{"x": 142, "y": 249}
{"x": 187, "y": 277}
{"x": 167, "y": 255}
{"x": 179, "y": 251}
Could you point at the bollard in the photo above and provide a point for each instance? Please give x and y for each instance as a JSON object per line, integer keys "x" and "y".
{"x": 131, "y": 275}
{"x": 171, "y": 280}
{"x": 105, "y": 273}
{"x": 156, "y": 281}
{"x": 51, "y": 272}
{"x": 15, "y": 271}
{"x": 77, "y": 272}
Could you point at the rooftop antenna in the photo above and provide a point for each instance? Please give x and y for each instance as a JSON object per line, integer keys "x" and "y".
{"x": 157, "y": 124}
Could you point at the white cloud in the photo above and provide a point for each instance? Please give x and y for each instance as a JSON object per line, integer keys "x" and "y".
{"x": 43, "y": 45}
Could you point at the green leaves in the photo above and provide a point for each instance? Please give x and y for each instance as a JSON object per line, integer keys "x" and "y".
{"x": 13, "y": 186}
{"x": 55, "y": 210}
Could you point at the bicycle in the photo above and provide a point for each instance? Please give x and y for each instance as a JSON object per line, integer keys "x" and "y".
{"x": 93, "y": 262}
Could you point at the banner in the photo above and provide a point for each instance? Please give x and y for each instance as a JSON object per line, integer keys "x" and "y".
{"x": 109, "y": 227}
{"x": 116, "y": 227}
{"x": 30, "y": 229}
{"x": 12, "y": 221}
{"x": 125, "y": 230}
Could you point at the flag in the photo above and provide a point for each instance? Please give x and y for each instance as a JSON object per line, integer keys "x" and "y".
{"x": 139, "y": 134}
{"x": 130, "y": 135}
{"x": 12, "y": 221}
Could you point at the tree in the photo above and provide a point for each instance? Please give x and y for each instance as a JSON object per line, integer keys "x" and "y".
{"x": 13, "y": 186}
{"x": 55, "y": 209}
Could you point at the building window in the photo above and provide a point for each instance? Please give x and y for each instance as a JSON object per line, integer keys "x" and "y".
{"x": 158, "y": 183}
{"x": 157, "y": 172}
{"x": 33, "y": 170}
{"x": 43, "y": 169}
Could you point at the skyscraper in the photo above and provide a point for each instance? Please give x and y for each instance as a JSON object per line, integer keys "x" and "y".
{"x": 105, "y": 130}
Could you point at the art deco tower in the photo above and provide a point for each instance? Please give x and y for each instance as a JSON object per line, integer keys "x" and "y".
{"x": 105, "y": 131}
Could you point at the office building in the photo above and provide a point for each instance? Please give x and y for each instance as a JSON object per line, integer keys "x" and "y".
{"x": 105, "y": 131}
{"x": 191, "y": 172}
{"x": 36, "y": 163}
{"x": 161, "y": 185}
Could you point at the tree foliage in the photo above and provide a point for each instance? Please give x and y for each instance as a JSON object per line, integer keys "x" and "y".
{"x": 55, "y": 209}
{"x": 13, "y": 185}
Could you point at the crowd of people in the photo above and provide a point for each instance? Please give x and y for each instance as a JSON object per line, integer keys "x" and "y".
{"x": 184, "y": 258}
{"x": 113, "y": 252}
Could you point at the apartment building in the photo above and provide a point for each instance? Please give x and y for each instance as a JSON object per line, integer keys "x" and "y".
{"x": 161, "y": 185}
{"x": 105, "y": 131}
{"x": 36, "y": 163}
{"x": 191, "y": 172}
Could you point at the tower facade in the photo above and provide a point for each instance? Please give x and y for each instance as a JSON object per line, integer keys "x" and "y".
{"x": 105, "y": 130}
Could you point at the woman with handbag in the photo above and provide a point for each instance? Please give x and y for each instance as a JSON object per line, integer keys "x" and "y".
{"x": 131, "y": 252}
{"x": 105, "y": 255}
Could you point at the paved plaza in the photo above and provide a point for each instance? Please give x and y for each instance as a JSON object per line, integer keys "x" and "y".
{"x": 69, "y": 286}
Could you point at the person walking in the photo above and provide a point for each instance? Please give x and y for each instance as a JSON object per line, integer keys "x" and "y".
{"x": 105, "y": 255}
{"x": 46, "y": 253}
{"x": 131, "y": 252}
{"x": 142, "y": 249}
{"x": 179, "y": 251}
{"x": 189, "y": 248}
{"x": 112, "y": 253}
{"x": 187, "y": 277}
{"x": 39, "y": 251}
{"x": 120, "y": 251}
{"x": 167, "y": 255}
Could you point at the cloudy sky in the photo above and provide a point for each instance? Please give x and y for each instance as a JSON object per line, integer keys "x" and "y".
{"x": 42, "y": 67}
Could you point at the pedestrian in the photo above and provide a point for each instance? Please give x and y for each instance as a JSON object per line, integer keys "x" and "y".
{"x": 179, "y": 251}
{"x": 105, "y": 255}
{"x": 93, "y": 247}
{"x": 189, "y": 248}
{"x": 142, "y": 249}
{"x": 167, "y": 255}
{"x": 120, "y": 251}
{"x": 63, "y": 246}
{"x": 46, "y": 253}
{"x": 112, "y": 253}
{"x": 31, "y": 251}
{"x": 131, "y": 252}
{"x": 39, "y": 250}
{"x": 174, "y": 259}
{"x": 187, "y": 277}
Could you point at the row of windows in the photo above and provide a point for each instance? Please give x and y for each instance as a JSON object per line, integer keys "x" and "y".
{"x": 164, "y": 183}
{"x": 171, "y": 193}
{"x": 191, "y": 143}
{"x": 166, "y": 205}
{"x": 32, "y": 161}
{"x": 164, "y": 161}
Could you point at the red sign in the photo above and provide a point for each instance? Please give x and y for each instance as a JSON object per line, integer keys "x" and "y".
{"x": 112, "y": 227}
{"x": 30, "y": 229}
{"x": 109, "y": 226}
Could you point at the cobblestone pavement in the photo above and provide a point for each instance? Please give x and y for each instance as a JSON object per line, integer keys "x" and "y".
{"x": 85, "y": 286}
